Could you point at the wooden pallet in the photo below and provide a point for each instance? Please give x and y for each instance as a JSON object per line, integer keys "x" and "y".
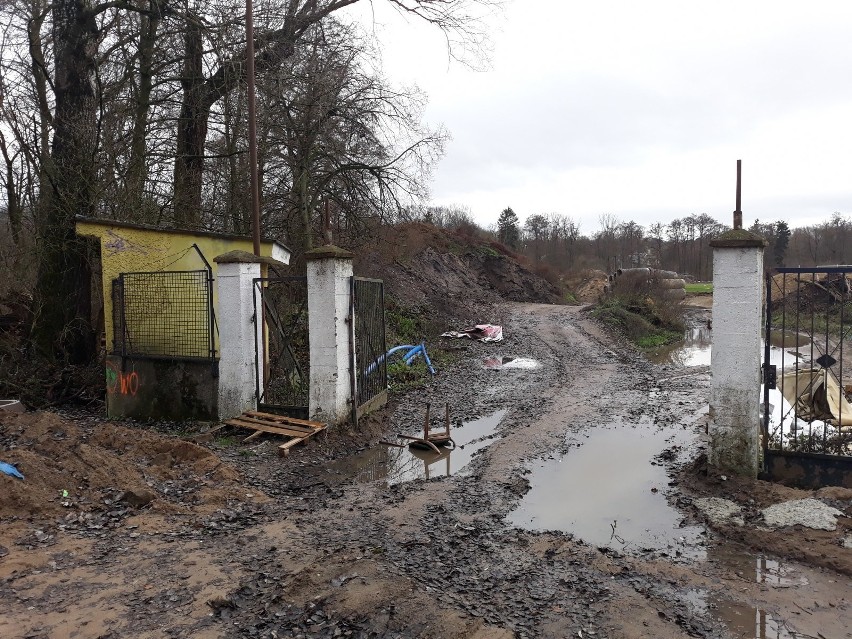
{"x": 297, "y": 430}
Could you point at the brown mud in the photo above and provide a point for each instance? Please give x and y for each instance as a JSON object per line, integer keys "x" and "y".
{"x": 245, "y": 544}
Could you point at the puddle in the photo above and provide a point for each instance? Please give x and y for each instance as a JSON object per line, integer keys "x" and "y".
{"x": 759, "y": 569}
{"x": 522, "y": 363}
{"x": 743, "y": 621}
{"x": 611, "y": 492}
{"x": 694, "y": 350}
{"x": 788, "y": 339}
{"x": 749, "y": 622}
{"x": 396, "y": 465}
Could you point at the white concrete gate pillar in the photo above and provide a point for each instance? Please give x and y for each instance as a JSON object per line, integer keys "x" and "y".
{"x": 329, "y": 290}
{"x": 735, "y": 356}
{"x": 238, "y": 331}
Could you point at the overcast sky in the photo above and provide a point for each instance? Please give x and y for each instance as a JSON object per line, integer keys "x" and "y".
{"x": 641, "y": 109}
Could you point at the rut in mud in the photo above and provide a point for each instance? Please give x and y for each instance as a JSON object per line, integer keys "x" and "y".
{"x": 327, "y": 544}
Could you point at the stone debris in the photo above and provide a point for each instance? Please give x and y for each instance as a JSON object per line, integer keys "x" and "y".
{"x": 810, "y": 513}
{"x": 720, "y": 511}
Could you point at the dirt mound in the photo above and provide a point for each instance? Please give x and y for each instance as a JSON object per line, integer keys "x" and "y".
{"x": 448, "y": 274}
{"x": 589, "y": 286}
{"x": 68, "y": 465}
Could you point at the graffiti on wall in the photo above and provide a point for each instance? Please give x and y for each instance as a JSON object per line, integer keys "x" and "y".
{"x": 121, "y": 383}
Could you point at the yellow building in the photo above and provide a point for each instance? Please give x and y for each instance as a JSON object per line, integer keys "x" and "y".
{"x": 135, "y": 248}
{"x": 159, "y": 316}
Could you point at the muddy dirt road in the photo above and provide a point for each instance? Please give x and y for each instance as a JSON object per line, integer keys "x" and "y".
{"x": 567, "y": 510}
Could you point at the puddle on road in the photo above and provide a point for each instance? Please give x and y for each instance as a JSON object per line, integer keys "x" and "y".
{"x": 694, "y": 350}
{"x": 611, "y": 492}
{"x": 396, "y": 465}
{"x": 747, "y": 622}
{"x": 759, "y": 569}
{"x": 697, "y": 344}
{"x": 518, "y": 363}
{"x": 743, "y": 620}
{"x": 788, "y": 339}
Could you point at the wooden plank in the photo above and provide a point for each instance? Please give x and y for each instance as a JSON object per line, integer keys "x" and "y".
{"x": 284, "y": 418}
{"x": 274, "y": 430}
{"x": 264, "y": 422}
{"x": 253, "y": 436}
{"x": 284, "y": 449}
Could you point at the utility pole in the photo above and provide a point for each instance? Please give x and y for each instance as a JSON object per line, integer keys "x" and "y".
{"x": 252, "y": 130}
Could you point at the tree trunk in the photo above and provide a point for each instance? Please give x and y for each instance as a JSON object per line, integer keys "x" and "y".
{"x": 61, "y": 324}
{"x": 13, "y": 199}
{"x": 191, "y": 133}
{"x": 136, "y": 169}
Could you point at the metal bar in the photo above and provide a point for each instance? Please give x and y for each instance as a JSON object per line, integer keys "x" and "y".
{"x": 254, "y": 319}
{"x": 784, "y": 335}
{"x": 353, "y": 379}
{"x": 826, "y": 373}
{"x": 840, "y": 381}
{"x": 738, "y": 214}
{"x": 766, "y": 358}
{"x": 813, "y": 334}
{"x": 814, "y": 269}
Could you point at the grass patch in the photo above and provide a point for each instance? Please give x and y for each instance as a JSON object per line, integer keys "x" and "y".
{"x": 661, "y": 338}
{"x": 404, "y": 325}
{"x": 699, "y": 288}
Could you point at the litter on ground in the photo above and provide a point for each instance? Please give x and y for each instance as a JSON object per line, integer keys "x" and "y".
{"x": 480, "y": 332}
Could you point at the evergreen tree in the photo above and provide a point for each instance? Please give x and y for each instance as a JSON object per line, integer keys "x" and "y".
{"x": 782, "y": 240}
{"x": 508, "y": 230}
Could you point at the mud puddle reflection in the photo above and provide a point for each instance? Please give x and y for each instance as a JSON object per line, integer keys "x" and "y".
{"x": 744, "y": 620}
{"x": 694, "y": 350}
{"x": 396, "y": 465}
{"x": 611, "y": 492}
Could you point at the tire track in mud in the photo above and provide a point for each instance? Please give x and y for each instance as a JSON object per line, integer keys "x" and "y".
{"x": 450, "y": 537}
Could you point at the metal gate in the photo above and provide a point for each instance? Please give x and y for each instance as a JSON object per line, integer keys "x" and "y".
{"x": 282, "y": 382}
{"x": 370, "y": 383}
{"x": 807, "y": 411}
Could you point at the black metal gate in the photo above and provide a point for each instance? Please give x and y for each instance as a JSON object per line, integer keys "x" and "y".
{"x": 807, "y": 413}
{"x": 370, "y": 384}
{"x": 282, "y": 380}
{"x": 163, "y": 314}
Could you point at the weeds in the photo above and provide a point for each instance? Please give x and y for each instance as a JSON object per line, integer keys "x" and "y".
{"x": 643, "y": 316}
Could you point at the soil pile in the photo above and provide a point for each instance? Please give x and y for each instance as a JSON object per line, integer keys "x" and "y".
{"x": 589, "y": 286}
{"x": 88, "y": 467}
{"x": 451, "y": 274}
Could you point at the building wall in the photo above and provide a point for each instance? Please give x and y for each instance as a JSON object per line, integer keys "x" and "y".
{"x": 174, "y": 389}
{"x": 127, "y": 249}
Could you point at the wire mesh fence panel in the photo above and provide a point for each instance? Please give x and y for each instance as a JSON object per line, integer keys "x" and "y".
{"x": 370, "y": 345}
{"x": 807, "y": 395}
{"x": 286, "y": 372}
{"x": 166, "y": 313}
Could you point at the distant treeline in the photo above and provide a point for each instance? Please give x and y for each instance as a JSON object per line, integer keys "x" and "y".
{"x": 683, "y": 245}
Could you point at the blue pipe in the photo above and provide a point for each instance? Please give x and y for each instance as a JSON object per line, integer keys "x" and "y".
{"x": 413, "y": 352}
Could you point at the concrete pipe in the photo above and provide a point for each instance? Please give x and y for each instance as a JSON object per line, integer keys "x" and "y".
{"x": 664, "y": 275}
{"x": 634, "y": 271}
{"x": 669, "y": 284}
